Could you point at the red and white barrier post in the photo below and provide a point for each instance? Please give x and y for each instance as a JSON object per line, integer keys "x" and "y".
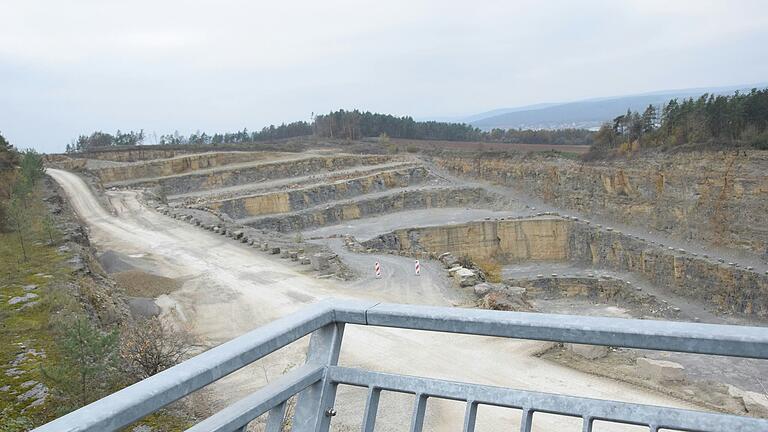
{"x": 418, "y": 268}
{"x": 377, "y": 267}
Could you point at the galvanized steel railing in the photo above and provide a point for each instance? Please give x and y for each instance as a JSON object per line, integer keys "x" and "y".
{"x": 316, "y": 381}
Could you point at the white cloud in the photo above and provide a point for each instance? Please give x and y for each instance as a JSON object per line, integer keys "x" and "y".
{"x": 71, "y": 67}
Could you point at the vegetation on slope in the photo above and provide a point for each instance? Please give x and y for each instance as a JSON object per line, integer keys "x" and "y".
{"x": 63, "y": 347}
{"x": 726, "y": 121}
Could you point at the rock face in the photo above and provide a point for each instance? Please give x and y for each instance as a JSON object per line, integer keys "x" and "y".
{"x": 300, "y": 199}
{"x": 716, "y": 197}
{"x": 729, "y": 288}
{"x": 532, "y": 239}
{"x": 130, "y": 154}
{"x": 176, "y": 165}
{"x": 390, "y": 203}
{"x": 256, "y": 172}
{"x": 661, "y": 370}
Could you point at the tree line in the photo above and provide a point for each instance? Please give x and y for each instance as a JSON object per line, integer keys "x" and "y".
{"x": 346, "y": 125}
{"x": 356, "y": 125}
{"x": 102, "y": 140}
{"x": 732, "y": 120}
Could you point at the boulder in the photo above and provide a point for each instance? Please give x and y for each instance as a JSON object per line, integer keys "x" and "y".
{"x": 662, "y": 370}
{"x": 275, "y": 251}
{"x": 320, "y": 261}
{"x": 265, "y": 246}
{"x": 304, "y": 260}
{"x": 482, "y": 289}
{"x": 465, "y": 277}
{"x": 756, "y": 404}
{"x": 237, "y": 235}
{"x": 448, "y": 260}
{"x": 590, "y": 352}
{"x": 22, "y": 299}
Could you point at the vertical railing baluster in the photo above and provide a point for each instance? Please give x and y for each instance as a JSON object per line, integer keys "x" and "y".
{"x": 526, "y": 421}
{"x": 275, "y": 418}
{"x": 586, "y": 424}
{"x": 470, "y": 416}
{"x": 419, "y": 410}
{"x": 371, "y": 407}
{"x": 315, "y": 403}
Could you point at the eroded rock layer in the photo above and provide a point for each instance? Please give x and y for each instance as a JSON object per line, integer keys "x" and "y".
{"x": 720, "y": 198}
{"x": 176, "y": 165}
{"x": 722, "y": 285}
{"x": 374, "y": 205}
{"x": 300, "y": 199}
{"x": 218, "y": 178}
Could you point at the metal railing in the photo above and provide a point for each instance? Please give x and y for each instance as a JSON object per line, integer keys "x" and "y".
{"x": 316, "y": 381}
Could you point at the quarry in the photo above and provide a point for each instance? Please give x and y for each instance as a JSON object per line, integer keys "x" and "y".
{"x": 679, "y": 238}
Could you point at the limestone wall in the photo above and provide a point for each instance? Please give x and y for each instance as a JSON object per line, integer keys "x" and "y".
{"x": 720, "y": 198}
{"x": 176, "y": 165}
{"x": 300, "y": 199}
{"x": 390, "y": 203}
{"x": 725, "y": 287}
{"x": 213, "y": 179}
{"x": 133, "y": 154}
{"x": 512, "y": 240}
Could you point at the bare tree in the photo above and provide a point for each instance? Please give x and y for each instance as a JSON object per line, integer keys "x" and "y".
{"x": 153, "y": 345}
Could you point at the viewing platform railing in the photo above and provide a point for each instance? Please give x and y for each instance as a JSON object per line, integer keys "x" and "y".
{"x": 315, "y": 382}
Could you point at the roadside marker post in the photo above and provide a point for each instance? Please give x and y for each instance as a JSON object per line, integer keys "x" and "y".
{"x": 418, "y": 268}
{"x": 377, "y": 267}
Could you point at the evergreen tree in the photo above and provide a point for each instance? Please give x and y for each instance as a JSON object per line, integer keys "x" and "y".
{"x": 88, "y": 367}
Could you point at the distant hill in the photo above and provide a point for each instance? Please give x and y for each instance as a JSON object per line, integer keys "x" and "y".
{"x": 589, "y": 113}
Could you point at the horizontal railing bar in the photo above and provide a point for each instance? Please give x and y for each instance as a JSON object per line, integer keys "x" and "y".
{"x": 257, "y": 403}
{"x": 617, "y": 412}
{"x": 138, "y": 400}
{"x": 732, "y": 341}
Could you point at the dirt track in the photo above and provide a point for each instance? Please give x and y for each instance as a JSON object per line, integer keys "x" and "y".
{"x": 230, "y": 289}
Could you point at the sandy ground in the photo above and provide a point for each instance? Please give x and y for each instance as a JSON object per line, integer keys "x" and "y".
{"x": 229, "y": 289}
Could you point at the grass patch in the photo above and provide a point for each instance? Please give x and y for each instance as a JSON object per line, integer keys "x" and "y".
{"x": 27, "y": 328}
{"x": 491, "y": 268}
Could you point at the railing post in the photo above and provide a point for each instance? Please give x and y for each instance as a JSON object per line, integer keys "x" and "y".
{"x": 315, "y": 404}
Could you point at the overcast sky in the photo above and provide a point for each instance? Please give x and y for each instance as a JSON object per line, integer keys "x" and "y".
{"x": 72, "y": 67}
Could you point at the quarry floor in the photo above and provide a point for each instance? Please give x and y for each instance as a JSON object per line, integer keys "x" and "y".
{"x": 228, "y": 289}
